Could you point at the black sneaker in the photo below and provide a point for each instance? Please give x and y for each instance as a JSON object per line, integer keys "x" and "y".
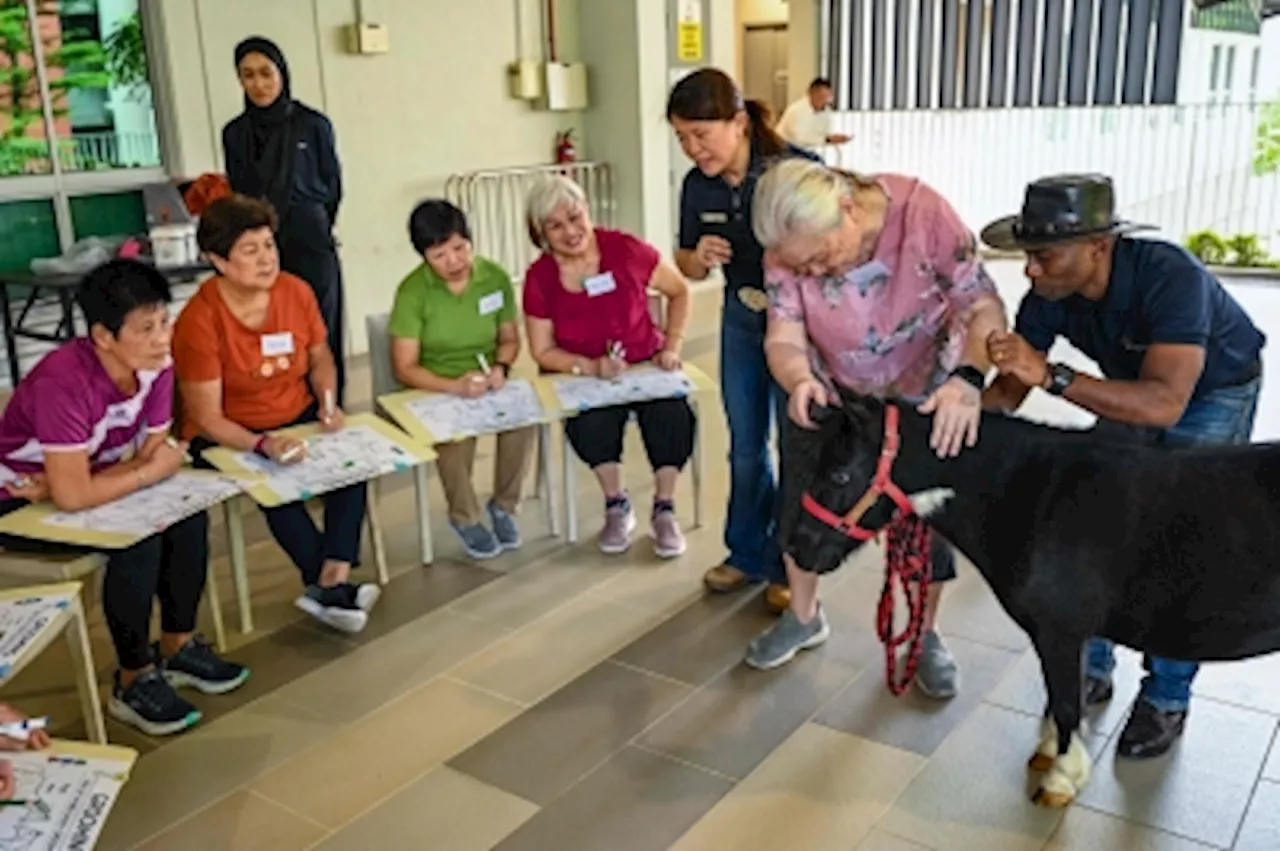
{"x": 338, "y": 607}
{"x": 197, "y": 666}
{"x": 151, "y": 705}
{"x": 1149, "y": 732}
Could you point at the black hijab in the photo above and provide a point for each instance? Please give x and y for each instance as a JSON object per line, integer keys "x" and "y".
{"x": 271, "y": 140}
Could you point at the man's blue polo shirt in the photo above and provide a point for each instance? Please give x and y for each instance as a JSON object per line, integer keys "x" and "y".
{"x": 1158, "y": 293}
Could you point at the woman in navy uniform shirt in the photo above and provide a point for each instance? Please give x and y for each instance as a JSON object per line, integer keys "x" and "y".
{"x": 283, "y": 151}
{"x": 731, "y": 143}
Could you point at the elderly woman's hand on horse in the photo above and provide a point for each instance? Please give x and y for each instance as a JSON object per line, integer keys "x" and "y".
{"x": 805, "y": 396}
{"x": 1013, "y": 355}
{"x": 956, "y": 407}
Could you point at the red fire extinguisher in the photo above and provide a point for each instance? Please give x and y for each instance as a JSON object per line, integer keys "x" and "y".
{"x": 566, "y": 151}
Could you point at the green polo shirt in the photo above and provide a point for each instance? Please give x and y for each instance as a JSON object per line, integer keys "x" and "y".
{"x": 453, "y": 329}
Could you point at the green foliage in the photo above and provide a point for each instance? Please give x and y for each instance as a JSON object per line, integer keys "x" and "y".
{"x": 1266, "y": 140}
{"x": 126, "y": 54}
{"x": 1208, "y": 246}
{"x": 1241, "y": 250}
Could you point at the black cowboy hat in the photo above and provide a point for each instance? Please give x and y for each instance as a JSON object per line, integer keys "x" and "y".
{"x": 1058, "y": 209}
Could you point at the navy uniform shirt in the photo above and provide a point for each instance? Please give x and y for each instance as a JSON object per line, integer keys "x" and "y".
{"x": 709, "y": 206}
{"x": 1158, "y": 293}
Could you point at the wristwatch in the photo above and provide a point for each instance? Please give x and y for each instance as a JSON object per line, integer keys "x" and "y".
{"x": 1059, "y": 378}
{"x": 971, "y": 375}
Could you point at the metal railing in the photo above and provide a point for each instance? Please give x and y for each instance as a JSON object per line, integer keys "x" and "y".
{"x": 80, "y": 152}
{"x": 1182, "y": 168}
{"x": 494, "y": 201}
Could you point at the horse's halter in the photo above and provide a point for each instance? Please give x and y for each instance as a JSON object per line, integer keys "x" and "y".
{"x": 882, "y": 484}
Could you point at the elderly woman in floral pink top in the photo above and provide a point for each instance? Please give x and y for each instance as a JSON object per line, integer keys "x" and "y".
{"x": 874, "y": 286}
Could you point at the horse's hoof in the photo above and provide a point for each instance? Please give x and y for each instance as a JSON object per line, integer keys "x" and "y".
{"x": 1052, "y": 800}
{"x": 1040, "y": 762}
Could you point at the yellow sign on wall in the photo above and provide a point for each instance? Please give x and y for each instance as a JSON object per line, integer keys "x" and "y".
{"x": 689, "y": 37}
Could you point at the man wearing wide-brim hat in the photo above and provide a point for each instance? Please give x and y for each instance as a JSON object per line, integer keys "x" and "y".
{"x": 1179, "y": 355}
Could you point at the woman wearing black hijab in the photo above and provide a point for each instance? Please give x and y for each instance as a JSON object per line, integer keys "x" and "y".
{"x": 284, "y": 151}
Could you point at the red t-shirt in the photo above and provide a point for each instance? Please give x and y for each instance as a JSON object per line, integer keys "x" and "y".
{"x": 585, "y": 324}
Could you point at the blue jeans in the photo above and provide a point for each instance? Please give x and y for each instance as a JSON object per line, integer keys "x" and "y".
{"x": 1221, "y": 417}
{"x": 753, "y": 402}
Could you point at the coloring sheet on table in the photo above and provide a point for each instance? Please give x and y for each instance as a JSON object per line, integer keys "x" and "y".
{"x": 355, "y": 454}
{"x": 151, "y": 509}
{"x": 68, "y": 801}
{"x": 450, "y": 418}
{"x": 22, "y": 621}
{"x": 584, "y": 394}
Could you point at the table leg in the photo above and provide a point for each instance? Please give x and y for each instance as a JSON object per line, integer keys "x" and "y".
{"x": 86, "y": 675}
{"x": 236, "y": 555}
{"x": 422, "y": 496}
{"x": 547, "y": 488}
{"x": 215, "y": 608}
{"x": 375, "y": 536}
{"x": 696, "y": 472}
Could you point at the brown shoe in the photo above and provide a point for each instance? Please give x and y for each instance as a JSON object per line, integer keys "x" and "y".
{"x": 777, "y": 599}
{"x": 724, "y": 578}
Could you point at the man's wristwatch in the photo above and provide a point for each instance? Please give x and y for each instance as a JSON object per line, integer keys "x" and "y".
{"x": 1059, "y": 378}
{"x": 971, "y": 375}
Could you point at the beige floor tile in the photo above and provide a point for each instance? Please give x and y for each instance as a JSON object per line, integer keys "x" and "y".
{"x": 363, "y": 680}
{"x": 534, "y": 591}
{"x": 1023, "y": 689}
{"x": 1261, "y": 828}
{"x": 194, "y": 771}
{"x": 974, "y": 793}
{"x": 668, "y": 585}
{"x": 878, "y": 840}
{"x": 538, "y": 660}
{"x": 444, "y": 811}
{"x": 384, "y": 751}
{"x": 819, "y": 790}
{"x": 1084, "y": 829}
{"x": 1201, "y": 788}
{"x": 241, "y": 821}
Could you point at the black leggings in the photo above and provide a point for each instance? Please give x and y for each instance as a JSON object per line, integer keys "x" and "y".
{"x": 666, "y": 427}
{"x": 171, "y": 565}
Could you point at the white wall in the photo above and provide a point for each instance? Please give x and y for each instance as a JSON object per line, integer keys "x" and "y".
{"x": 434, "y": 106}
{"x": 802, "y": 19}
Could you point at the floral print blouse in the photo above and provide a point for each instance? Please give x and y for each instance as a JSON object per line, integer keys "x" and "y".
{"x": 895, "y": 326}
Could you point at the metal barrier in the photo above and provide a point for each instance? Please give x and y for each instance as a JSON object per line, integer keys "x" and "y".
{"x": 494, "y": 201}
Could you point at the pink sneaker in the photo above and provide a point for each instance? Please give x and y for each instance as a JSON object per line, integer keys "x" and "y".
{"x": 668, "y": 540}
{"x": 619, "y": 523}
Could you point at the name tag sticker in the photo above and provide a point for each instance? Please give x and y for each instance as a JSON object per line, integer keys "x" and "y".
{"x": 491, "y": 303}
{"x": 274, "y": 345}
{"x": 715, "y": 218}
{"x": 600, "y": 284}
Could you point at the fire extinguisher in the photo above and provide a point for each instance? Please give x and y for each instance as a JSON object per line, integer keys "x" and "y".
{"x": 566, "y": 151}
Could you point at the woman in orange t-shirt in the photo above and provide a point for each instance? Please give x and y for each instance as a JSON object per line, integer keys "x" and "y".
{"x": 252, "y": 355}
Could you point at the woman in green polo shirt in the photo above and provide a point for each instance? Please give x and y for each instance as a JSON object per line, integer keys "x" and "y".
{"x": 453, "y": 330}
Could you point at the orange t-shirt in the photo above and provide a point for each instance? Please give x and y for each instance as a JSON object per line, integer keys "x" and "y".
{"x": 263, "y": 370}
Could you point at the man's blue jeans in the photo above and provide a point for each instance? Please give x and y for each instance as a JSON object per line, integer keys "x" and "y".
{"x": 1222, "y": 417}
{"x": 753, "y": 402}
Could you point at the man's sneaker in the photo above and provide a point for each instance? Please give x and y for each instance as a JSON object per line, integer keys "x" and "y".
{"x": 367, "y": 596}
{"x": 619, "y": 523}
{"x": 477, "y": 540}
{"x": 197, "y": 666}
{"x": 937, "y": 676}
{"x": 337, "y": 607}
{"x": 505, "y": 528}
{"x": 668, "y": 540}
{"x": 780, "y": 643}
{"x": 151, "y": 705}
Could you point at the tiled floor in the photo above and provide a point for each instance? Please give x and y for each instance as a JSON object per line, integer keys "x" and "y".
{"x": 559, "y": 700}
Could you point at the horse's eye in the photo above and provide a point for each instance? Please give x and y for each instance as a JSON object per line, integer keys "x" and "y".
{"x": 840, "y": 477}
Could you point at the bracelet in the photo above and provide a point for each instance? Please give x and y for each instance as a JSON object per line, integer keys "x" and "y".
{"x": 259, "y": 448}
{"x": 971, "y": 375}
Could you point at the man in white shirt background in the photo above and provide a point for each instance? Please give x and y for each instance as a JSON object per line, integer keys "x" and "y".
{"x": 806, "y": 123}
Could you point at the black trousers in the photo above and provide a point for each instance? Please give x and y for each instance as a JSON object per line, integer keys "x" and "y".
{"x": 294, "y": 530}
{"x": 171, "y": 565}
{"x": 309, "y": 253}
{"x": 666, "y": 427}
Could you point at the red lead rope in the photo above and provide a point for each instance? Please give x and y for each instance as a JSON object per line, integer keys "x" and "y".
{"x": 907, "y": 563}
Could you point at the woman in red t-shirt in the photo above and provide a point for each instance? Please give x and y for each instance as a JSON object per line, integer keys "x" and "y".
{"x": 586, "y": 307}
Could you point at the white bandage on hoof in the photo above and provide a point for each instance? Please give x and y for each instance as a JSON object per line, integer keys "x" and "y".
{"x": 1047, "y": 751}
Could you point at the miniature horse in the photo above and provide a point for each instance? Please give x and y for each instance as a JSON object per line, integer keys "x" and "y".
{"x": 1169, "y": 551}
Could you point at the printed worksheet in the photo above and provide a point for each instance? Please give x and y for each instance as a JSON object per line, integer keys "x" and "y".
{"x": 23, "y": 620}
{"x": 66, "y": 801}
{"x": 578, "y": 393}
{"x": 451, "y": 418}
{"x": 151, "y": 509}
{"x": 355, "y": 454}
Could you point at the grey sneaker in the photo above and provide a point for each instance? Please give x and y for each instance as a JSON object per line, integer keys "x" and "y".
{"x": 619, "y": 523}
{"x": 668, "y": 540}
{"x": 477, "y": 540}
{"x": 780, "y": 643}
{"x": 938, "y": 676}
{"x": 505, "y": 528}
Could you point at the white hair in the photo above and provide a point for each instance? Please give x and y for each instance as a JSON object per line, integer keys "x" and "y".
{"x": 798, "y": 196}
{"x": 549, "y": 194}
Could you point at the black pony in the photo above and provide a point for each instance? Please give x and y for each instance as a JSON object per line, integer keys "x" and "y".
{"x": 1168, "y": 551}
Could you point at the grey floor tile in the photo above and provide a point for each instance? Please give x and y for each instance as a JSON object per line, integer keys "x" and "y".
{"x": 703, "y": 639}
{"x": 1199, "y": 790}
{"x": 637, "y": 801}
{"x": 1023, "y": 689}
{"x": 548, "y": 748}
{"x": 1261, "y": 828}
{"x": 1252, "y": 683}
{"x": 914, "y": 722}
{"x": 736, "y": 720}
{"x": 418, "y": 591}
